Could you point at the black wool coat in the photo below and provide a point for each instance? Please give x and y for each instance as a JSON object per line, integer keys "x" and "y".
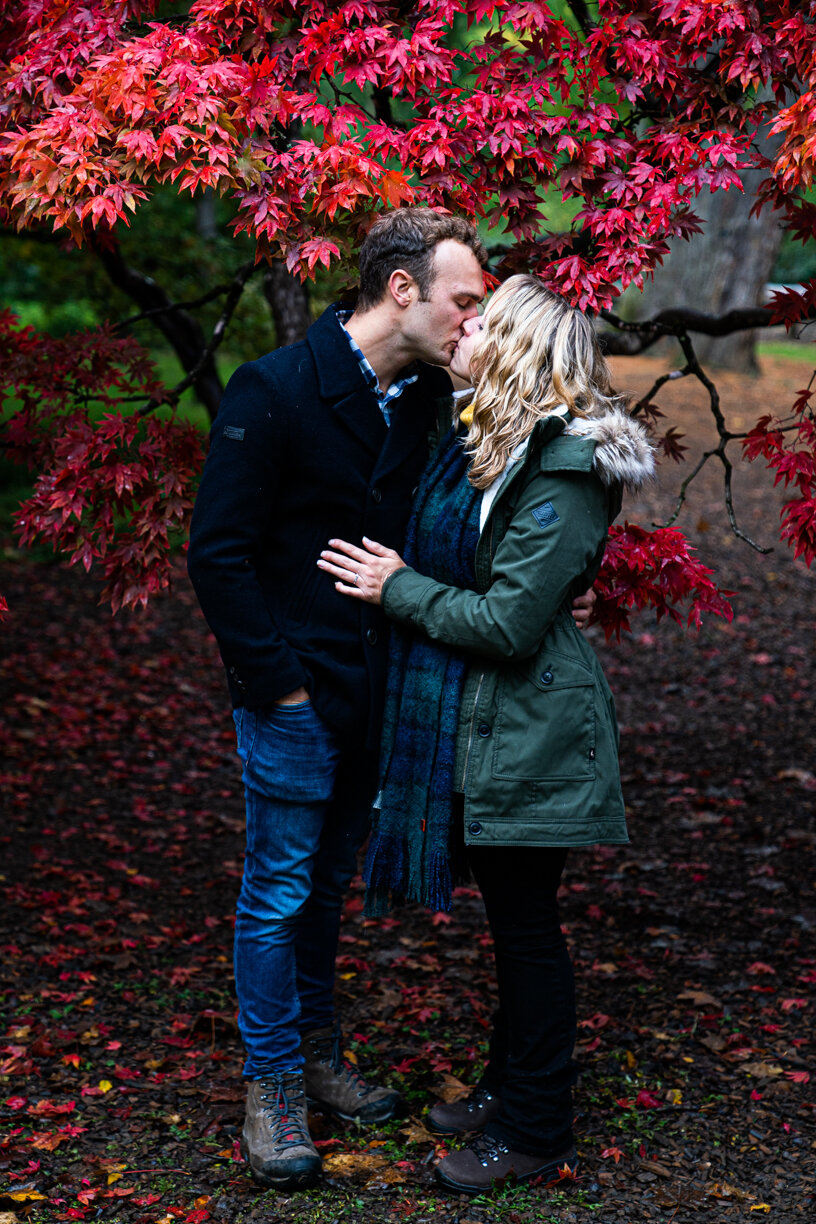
{"x": 299, "y": 453}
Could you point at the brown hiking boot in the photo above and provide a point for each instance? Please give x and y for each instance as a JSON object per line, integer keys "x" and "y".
{"x": 276, "y": 1138}
{"x": 462, "y": 1117}
{"x": 334, "y": 1083}
{"x": 485, "y": 1161}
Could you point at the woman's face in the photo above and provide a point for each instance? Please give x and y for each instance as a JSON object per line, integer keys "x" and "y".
{"x": 460, "y": 362}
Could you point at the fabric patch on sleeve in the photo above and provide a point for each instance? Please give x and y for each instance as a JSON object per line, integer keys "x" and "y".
{"x": 544, "y": 515}
{"x": 234, "y": 431}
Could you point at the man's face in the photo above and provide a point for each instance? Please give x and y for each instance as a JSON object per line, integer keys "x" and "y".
{"x": 434, "y": 327}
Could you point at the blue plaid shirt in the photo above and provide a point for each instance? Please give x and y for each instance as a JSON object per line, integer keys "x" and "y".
{"x": 384, "y": 398}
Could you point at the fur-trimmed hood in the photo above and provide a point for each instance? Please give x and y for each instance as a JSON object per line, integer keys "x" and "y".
{"x": 623, "y": 453}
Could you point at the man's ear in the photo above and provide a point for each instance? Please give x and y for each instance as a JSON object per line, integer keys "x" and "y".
{"x": 402, "y": 287}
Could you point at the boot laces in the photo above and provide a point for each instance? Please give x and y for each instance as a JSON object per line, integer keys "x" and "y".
{"x": 285, "y": 1107}
{"x": 487, "y": 1149}
{"x": 327, "y": 1049}
{"x": 479, "y": 1097}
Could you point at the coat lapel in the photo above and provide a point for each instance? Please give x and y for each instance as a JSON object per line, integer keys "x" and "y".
{"x": 342, "y": 383}
{"x": 410, "y": 424}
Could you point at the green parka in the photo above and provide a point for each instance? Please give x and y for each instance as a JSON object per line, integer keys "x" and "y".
{"x": 537, "y": 743}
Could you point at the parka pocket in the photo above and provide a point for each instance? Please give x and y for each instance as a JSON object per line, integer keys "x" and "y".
{"x": 545, "y": 721}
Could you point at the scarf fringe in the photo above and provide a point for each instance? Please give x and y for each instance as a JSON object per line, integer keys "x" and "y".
{"x": 385, "y": 862}
{"x": 439, "y": 888}
{"x": 384, "y": 875}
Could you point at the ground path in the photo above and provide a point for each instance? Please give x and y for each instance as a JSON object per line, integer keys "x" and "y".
{"x": 694, "y": 946}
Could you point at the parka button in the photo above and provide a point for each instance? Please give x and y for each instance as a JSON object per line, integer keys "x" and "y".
{"x": 371, "y": 637}
{"x": 546, "y": 677}
{"x": 484, "y": 730}
{"x": 376, "y": 496}
{"x": 475, "y": 828}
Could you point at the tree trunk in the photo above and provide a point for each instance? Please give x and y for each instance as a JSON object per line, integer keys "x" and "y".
{"x": 726, "y": 267}
{"x": 288, "y": 300}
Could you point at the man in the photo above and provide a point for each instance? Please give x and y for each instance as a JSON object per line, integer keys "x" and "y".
{"x": 325, "y": 438}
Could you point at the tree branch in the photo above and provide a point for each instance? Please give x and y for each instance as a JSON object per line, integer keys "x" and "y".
{"x": 206, "y": 357}
{"x": 192, "y": 304}
{"x": 672, "y": 376}
{"x": 581, "y": 14}
{"x": 183, "y": 332}
{"x": 693, "y": 366}
{"x": 636, "y": 337}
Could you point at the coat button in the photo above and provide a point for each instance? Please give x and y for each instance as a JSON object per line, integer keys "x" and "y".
{"x": 484, "y": 730}
{"x": 546, "y": 677}
{"x": 475, "y": 828}
{"x": 371, "y": 637}
{"x": 376, "y": 496}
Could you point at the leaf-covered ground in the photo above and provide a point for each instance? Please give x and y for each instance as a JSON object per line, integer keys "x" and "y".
{"x": 121, "y": 1096}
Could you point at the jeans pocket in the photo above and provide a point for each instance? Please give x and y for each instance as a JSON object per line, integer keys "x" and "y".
{"x": 246, "y": 726}
{"x": 293, "y": 754}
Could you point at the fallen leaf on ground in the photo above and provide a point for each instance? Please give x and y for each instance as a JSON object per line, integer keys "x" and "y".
{"x": 724, "y": 1190}
{"x": 385, "y": 1177}
{"x": 614, "y": 1152}
{"x": 762, "y": 1070}
{"x": 803, "y": 776}
{"x": 353, "y": 1164}
{"x": 700, "y": 998}
{"x": 416, "y": 1132}
{"x": 677, "y": 1194}
{"x": 451, "y": 1089}
{"x": 652, "y": 1166}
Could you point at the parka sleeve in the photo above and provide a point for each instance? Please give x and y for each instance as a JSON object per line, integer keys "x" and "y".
{"x": 556, "y": 537}
{"x": 231, "y": 517}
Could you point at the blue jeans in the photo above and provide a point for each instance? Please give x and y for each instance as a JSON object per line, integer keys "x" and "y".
{"x": 307, "y": 814}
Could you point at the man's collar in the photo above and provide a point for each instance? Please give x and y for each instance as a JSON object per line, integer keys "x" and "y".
{"x": 408, "y": 374}
{"x": 338, "y": 370}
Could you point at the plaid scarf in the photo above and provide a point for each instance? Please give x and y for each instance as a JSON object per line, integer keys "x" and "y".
{"x": 409, "y": 854}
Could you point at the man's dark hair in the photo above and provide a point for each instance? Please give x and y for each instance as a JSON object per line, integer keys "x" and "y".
{"x": 407, "y": 238}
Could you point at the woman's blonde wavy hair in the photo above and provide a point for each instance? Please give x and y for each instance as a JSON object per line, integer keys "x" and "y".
{"x": 534, "y": 354}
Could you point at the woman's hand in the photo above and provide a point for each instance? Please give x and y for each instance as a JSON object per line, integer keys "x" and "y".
{"x": 361, "y": 573}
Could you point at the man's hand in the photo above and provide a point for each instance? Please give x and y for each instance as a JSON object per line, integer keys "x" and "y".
{"x": 583, "y": 609}
{"x": 293, "y": 698}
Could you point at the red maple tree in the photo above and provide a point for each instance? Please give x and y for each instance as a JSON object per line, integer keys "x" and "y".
{"x": 310, "y": 116}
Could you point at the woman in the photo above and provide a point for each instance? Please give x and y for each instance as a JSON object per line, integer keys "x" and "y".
{"x": 500, "y": 733}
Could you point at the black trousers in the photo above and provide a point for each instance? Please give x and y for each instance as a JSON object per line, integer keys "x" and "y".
{"x": 530, "y": 1062}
